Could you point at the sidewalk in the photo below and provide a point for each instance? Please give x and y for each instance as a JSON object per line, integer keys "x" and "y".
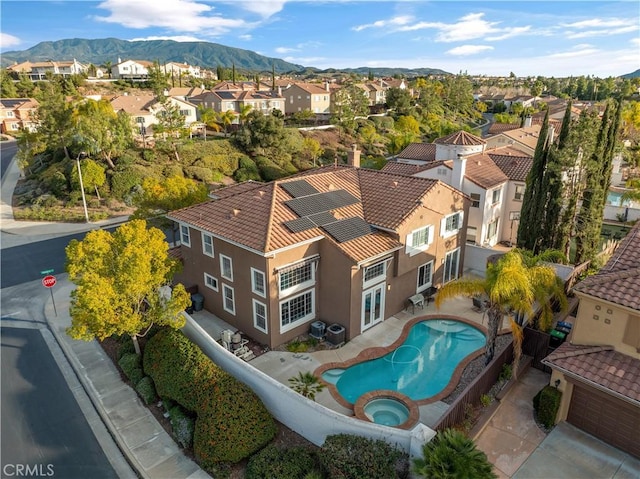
{"x": 512, "y": 435}
{"x": 146, "y": 445}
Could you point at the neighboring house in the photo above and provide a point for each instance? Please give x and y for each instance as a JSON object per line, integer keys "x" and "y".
{"x": 39, "y": 70}
{"x": 338, "y": 244}
{"x": 497, "y": 128}
{"x": 17, "y": 114}
{"x": 145, "y": 109}
{"x": 229, "y": 100}
{"x": 177, "y": 70}
{"x": 186, "y": 93}
{"x": 598, "y": 368}
{"x": 523, "y": 139}
{"x": 493, "y": 179}
{"x": 308, "y": 96}
{"x": 134, "y": 70}
{"x": 376, "y": 92}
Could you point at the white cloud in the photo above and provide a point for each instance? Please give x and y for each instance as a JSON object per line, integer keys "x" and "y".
{"x": 309, "y": 61}
{"x": 601, "y": 33}
{"x": 264, "y": 8}
{"x": 577, "y": 51}
{"x": 7, "y": 40}
{"x": 468, "y": 50}
{"x": 510, "y": 33}
{"x": 245, "y": 37}
{"x": 176, "y": 38}
{"x": 601, "y": 23}
{"x": 399, "y": 20}
{"x": 635, "y": 41}
{"x": 285, "y": 50}
{"x": 174, "y": 15}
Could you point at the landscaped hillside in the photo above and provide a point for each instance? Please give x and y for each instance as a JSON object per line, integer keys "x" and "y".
{"x": 203, "y": 54}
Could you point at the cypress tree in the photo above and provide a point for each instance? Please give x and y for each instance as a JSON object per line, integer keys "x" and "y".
{"x": 273, "y": 77}
{"x": 528, "y": 228}
{"x": 233, "y": 73}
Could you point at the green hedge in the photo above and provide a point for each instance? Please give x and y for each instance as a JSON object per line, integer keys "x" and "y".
{"x": 281, "y": 463}
{"x": 131, "y": 367}
{"x": 183, "y": 426}
{"x": 345, "y": 456}
{"x": 546, "y": 404}
{"x": 146, "y": 390}
{"x": 232, "y": 423}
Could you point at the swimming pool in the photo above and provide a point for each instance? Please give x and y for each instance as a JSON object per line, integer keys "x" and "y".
{"x": 421, "y": 367}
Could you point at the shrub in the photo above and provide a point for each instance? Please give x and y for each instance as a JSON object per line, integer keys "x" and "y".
{"x": 506, "y": 372}
{"x": 273, "y": 461}
{"x": 232, "y": 423}
{"x": 131, "y": 366}
{"x": 546, "y": 404}
{"x": 126, "y": 347}
{"x": 485, "y": 400}
{"x": 183, "y": 426}
{"x": 345, "y": 456}
{"x": 452, "y": 454}
{"x": 145, "y": 389}
{"x": 123, "y": 181}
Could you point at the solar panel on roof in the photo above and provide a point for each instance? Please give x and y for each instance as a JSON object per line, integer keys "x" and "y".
{"x": 299, "y": 188}
{"x": 312, "y": 204}
{"x": 299, "y": 224}
{"x": 323, "y": 218}
{"x": 348, "y": 229}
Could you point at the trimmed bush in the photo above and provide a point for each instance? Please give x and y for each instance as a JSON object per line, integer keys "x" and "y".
{"x": 273, "y": 461}
{"x": 146, "y": 390}
{"x": 131, "y": 366}
{"x": 232, "y": 423}
{"x": 183, "y": 426}
{"x": 345, "y": 456}
{"x": 546, "y": 404}
{"x": 126, "y": 347}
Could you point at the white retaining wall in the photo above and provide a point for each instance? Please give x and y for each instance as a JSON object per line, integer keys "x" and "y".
{"x": 311, "y": 420}
{"x": 475, "y": 258}
{"x": 611, "y": 213}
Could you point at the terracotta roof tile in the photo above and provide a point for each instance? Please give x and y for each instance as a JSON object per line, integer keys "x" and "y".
{"x": 460, "y": 138}
{"x": 419, "y": 151}
{"x": 619, "y": 280}
{"x": 516, "y": 168}
{"x": 482, "y": 171}
{"x": 602, "y": 365}
{"x": 497, "y": 128}
{"x": 398, "y": 168}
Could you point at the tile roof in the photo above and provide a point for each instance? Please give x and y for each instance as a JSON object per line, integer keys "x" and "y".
{"x": 460, "y": 138}
{"x": 312, "y": 88}
{"x": 515, "y": 167}
{"x": 419, "y": 151}
{"x": 402, "y": 168}
{"x": 497, "y": 128}
{"x": 134, "y": 105}
{"x": 254, "y": 214}
{"x": 619, "y": 280}
{"x": 602, "y": 365}
{"x": 482, "y": 171}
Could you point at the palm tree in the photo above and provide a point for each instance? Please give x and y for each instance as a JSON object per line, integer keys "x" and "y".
{"x": 452, "y": 455}
{"x": 511, "y": 286}
{"x": 226, "y": 118}
{"x": 306, "y": 384}
{"x": 209, "y": 117}
{"x": 244, "y": 113}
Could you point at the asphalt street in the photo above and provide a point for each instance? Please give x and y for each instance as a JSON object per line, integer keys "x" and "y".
{"x": 42, "y": 425}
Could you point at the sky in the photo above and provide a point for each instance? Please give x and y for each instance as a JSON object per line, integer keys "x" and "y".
{"x": 494, "y": 38}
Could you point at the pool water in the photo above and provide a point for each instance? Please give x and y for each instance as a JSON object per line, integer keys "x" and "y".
{"x": 419, "y": 368}
{"x": 388, "y": 412}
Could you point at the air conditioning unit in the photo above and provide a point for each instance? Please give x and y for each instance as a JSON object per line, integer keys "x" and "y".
{"x": 317, "y": 329}
{"x": 336, "y": 334}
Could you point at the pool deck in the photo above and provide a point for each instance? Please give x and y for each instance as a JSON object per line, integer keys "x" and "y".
{"x": 282, "y": 365}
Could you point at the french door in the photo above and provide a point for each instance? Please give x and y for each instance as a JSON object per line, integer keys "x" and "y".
{"x": 373, "y": 306}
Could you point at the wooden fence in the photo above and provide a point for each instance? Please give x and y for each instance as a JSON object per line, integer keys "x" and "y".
{"x": 482, "y": 384}
{"x": 536, "y": 344}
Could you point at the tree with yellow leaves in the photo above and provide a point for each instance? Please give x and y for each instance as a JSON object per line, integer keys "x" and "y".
{"x": 122, "y": 283}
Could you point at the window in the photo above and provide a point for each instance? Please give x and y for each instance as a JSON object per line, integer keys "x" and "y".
{"x": 207, "y": 244}
{"x": 472, "y": 232}
{"x": 226, "y": 267}
{"x": 184, "y": 112}
{"x": 419, "y": 240}
{"x": 297, "y": 310}
{"x": 425, "y": 276}
{"x": 210, "y": 282}
{"x": 229, "y": 303}
{"x": 475, "y": 200}
{"x": 519, "y": 194}
{"x": 492, "y": 230}
{"x": 451, "y": 224}
{"x": 185, "y": 237}
{"x": 296, "y": 277}
{"x": 10, "y": 114}
{"x": 495, "y": 197}
{"x": 375, "y": 273}
{"x": 451, "y": 265}
{"x": 441, "y": 171}
{"x": 258, "y": 282}
{"x": 260, "y": 316}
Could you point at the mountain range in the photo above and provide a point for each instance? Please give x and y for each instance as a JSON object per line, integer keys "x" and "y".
{"x": 202, "y": 54}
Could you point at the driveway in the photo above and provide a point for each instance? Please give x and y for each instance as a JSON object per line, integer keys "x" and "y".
{"x": 569, "y": 453}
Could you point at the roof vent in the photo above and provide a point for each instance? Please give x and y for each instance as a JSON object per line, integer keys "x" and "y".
{"x": 395, "y": 184}
{"x": 331, "y": 187}
{"x": 234, "y": 212}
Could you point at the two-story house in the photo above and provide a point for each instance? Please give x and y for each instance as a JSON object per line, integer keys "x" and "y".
{"x": 598, "y": 368}
{"x": 17, "y": 114}
{"x": 264, "y": 101}
{"x": 308, "y": 96}
{"x": 145, "y": 110}
{"x": 39, "y": 70}
{"x": 338, "y": 244}
{"x": 134, "y": 70}
{"x": 177, "y": 70}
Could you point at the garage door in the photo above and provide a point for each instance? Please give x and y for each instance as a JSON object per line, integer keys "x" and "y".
{"x": 614, "y": 421}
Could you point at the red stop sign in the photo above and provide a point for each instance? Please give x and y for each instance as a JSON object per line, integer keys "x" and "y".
{"x": 49, "y": 281}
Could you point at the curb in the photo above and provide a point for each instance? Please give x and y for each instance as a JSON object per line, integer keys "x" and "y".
{"x": 91, "y": 393}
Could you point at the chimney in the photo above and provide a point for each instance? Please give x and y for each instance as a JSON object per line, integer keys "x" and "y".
{"x": 527, "y": 121}
{"x": 457, "y": 175}
{"x": 326, "y": 85}
{"x": 353, "y": 157}
{"x": 551, "y": 135}
{"x": 279, "y": 91}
